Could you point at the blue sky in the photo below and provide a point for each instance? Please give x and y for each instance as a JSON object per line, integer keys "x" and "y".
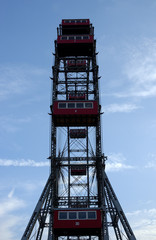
{"x": 126, "y": 42}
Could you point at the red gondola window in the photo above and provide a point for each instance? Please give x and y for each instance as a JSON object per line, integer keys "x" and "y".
{"x": 76, "y": 21}
{"x": 62, "y": 105}
{"x": 75, "y": 37}
{"x": 77, "y": 215}
{"x": 62, "y": 216}
{"x": 71, "y": 105}
{"x": 79, "y": 105}
{"x": 63, "y": 38}
{"x": 78, "y": 38}
{"x": 71, "y": 38}
{"x": 91, "y": 215}
{"x": 88, "y": 105}
{"x": 82, "y": 215}
{"x": 85, "y": 37}
{"x": 75, "y": 105}
{"x": 72, "y": 215}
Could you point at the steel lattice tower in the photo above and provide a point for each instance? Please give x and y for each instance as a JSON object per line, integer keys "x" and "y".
{"x": 78, "y": 201}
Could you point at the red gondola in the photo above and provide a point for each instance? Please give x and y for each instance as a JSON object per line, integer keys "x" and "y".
{"x": 75, "y": 45}
{"x": 78, "y": 133}
{"x": 75, "y": 113}
{"x": 78, "y": 170}
{"x": 78, "y": 96}
{"x": 73, "y": 39}
{"x": 76, "y": 63}
{"x": 75, "y": 27}
{"x": 73, "y": 221}
{"x": 79, "y": 64}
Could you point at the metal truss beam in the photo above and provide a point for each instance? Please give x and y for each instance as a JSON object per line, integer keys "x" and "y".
{"x": 75, "y": 82}
{"x": 115, "y": 210}
{"x": 40, "y": 213}
{"x": 64, "y": 159}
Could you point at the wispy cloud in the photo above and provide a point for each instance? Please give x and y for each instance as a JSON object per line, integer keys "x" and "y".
{"x": 144, "y": 223}
{"x": 15, "y": 80}
{"x": 117, "y": 162}
{"x": 140, "y": 70}
{"x": 23, "y": 163}
{"x": 122, "y": 108}
{"x": 10, "y": 204}
{"x": 31, "y": 186}
{"x": 10, "y": 225}
{"x": 111, "y": 167}
{"x": 152, "y": 162}
{"x": 10, "y": 222}
{"x": 12, "y": 81}
{"x": 11, "y": 124}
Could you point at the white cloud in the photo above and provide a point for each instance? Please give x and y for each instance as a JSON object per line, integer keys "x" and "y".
{"x": 23, "y": 163}
{"x": 124, "y": 108}
{"x": 144, "y": 223}
{"x": 116, "y": 162}
{"x": 152, "y": 162}
{"x": 10, "y": 204}
{"x": 10, "y": 226}
{"x": 116, "y": 157}
{"x": 140, "y": 70}
{"x": 14, "y": 216}
{"x": 10, "y": 195}
{"x": 10, "y": 222}
{"x": 111, "y": 167}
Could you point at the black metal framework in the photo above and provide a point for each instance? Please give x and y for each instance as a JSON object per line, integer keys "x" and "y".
{"x": 78, "y": 179}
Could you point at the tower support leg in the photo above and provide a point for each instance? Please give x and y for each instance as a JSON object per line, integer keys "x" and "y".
{"x": 115, "y": 210}
{"x": 40, "y": 212}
